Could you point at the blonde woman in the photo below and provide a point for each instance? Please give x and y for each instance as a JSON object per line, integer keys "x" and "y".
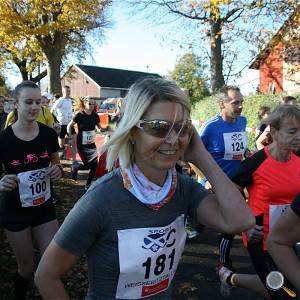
{"x": 130, "y": 224}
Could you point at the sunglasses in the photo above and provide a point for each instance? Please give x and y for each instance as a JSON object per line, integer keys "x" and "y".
{"x": 161, "y": 128}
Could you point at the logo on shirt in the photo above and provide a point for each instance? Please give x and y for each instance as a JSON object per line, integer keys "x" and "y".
{"x": 158, "y": 239}
{"x": 237, "y": 137}
{"x": 41, "y": 175}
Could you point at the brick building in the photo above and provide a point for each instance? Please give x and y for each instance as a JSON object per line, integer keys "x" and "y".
{"x": 279, "y": 62}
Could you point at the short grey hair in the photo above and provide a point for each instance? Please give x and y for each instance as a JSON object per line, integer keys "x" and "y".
{"x": 140, "y": 96}
{"x": 223, "y": 93}
{"x": 282, "y": 112}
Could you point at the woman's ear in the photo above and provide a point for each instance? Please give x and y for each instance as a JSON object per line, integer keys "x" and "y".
{"x": 132, "y": 135}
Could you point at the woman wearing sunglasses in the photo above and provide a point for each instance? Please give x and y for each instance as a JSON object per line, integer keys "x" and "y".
{"x": 130, "y": 224}
{"x": 87, "y": 120}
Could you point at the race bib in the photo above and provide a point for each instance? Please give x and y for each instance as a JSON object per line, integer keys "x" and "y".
{"x": 235, "y": 145}
{"x": 275, "y": 212}
{"x": 148, "y": 259}
{"x": 88, "y": 137}
{"x": 34, "y": 187}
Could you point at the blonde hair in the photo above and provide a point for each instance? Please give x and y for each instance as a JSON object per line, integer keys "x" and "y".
{"x": 79, "y": 104}
{"x": 140, "y": 96}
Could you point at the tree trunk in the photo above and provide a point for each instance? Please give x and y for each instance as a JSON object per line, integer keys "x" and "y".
{"x": 216, "y": 59}
{"x": 53, "y": 47}
{"x": 21, "y": 64}
{"x": 53, "y": 70}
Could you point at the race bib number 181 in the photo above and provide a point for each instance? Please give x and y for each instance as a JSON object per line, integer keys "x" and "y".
{"x": 148, "y": 259}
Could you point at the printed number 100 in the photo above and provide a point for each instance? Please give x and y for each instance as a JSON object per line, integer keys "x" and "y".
{"x": 38, "y": 187}
{"x": 160, "y": 264}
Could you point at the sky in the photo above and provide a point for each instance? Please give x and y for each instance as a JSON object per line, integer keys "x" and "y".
{"x": 133, "y": 45}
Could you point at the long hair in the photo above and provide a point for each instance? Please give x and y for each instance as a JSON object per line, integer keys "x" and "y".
{"x": 140, "y": 95}
{"x": 80, "y": 103}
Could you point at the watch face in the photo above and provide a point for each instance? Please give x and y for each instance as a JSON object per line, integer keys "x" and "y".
{"x": 275, "y": 280}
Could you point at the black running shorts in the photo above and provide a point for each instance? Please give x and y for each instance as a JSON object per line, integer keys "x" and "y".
{"x": 22, "y": 218}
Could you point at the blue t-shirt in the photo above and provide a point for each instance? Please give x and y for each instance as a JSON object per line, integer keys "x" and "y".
{"x": 225, "y": 141}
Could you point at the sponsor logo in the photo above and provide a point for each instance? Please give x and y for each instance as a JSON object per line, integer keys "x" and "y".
{"x": 38, "y": 201}
{"x": 158, "y": 239}
{"x": 149, "y": 290}
{"x": 237, "y": 137}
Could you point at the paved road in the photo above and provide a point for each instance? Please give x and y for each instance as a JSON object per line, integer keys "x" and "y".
{"x": 197, "y": 270}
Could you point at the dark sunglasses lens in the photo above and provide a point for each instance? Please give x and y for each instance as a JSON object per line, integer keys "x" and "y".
{"x": 157, "y": 129}
{"x": 186, "y": 128}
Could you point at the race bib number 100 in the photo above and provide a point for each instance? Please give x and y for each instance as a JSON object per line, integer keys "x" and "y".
{"x": 148, "y": 259}
{"x": 34, "y": 187}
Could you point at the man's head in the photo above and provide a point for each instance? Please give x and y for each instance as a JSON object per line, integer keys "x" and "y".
{"x": 231, "y": 103}
{"x": 66, "y": 91}
{"x": 289, "y": 100}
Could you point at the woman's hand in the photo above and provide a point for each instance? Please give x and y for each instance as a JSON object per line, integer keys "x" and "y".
{"x": 8, "y": 183}
{"x": 194, "y": 147}
{"x": 255, "y": 234}
{"x": 55, "y": 171}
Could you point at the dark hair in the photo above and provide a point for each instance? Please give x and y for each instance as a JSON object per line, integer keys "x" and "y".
{"x": 288, "y": 99}
{"x": 57, "y": 96}
{"x": 223, "y": 93}
{"x": 14, "y": 116}
{"x": 66, "y": 87}
{"x": 262, "y": 111}
{"x": 23, "y": 85}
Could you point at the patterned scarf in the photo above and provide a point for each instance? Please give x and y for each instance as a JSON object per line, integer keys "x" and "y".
{"x": 149, "y": 193}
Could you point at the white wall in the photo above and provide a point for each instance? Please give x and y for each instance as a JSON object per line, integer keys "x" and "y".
{"x": 110, "y": 93}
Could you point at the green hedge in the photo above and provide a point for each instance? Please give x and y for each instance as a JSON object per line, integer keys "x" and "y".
{"x": 208, "y": 107}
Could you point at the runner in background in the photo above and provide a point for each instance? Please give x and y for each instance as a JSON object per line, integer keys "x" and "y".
{"x": 130, "y": 224}
{"x": 282, "y": 240}
{"x": 264, "y": 138}
{"x": 263, "y": 113}
{"x": 289, "y": 100}
{"x": 272, "y": 179}
{"x": 63, "y": 110}
{"x": 87, "y": 121}
{"x": 224, "y": 137}
{"x": 29, "y": 155}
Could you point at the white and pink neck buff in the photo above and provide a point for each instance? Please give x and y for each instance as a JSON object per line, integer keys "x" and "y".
{"x": 149, "y": 193}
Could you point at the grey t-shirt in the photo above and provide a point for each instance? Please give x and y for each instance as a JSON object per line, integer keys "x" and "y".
{"x": 92, "y": 226}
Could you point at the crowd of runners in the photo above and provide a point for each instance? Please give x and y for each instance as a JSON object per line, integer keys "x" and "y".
{"x": 131, "y": 223}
